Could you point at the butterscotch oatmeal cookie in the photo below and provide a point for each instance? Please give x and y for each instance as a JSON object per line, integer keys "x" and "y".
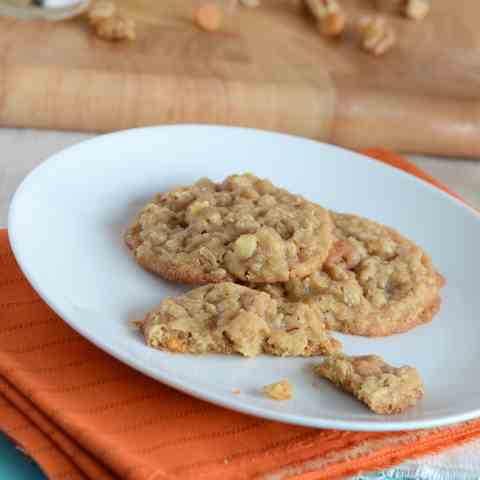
{"x": 374, "y": 282}
{"x": 383, "y": 388}
{"x": 230, "y": 318}
{"x": 244, "y": 228}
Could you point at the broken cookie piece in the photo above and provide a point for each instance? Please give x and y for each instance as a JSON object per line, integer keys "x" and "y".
{"x": 229, "y": 318}
{"x": 281, "y": 390}
{"x": 384, "y": 389}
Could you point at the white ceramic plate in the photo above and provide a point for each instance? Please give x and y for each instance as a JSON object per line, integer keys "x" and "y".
{"x": 66, "y": 223}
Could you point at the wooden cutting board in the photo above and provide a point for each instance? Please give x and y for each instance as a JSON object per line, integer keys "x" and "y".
{"x": 267, "y": 68}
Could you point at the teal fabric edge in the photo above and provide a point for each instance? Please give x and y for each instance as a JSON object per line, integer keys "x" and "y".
{"x": 14, "y": 464}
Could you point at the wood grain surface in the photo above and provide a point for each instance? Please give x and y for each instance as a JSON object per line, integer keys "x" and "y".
{"x": 266, "y": 68}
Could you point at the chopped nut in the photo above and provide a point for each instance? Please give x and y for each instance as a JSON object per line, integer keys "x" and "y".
{"x": 330, "y": 16}
{"x": 417, "y": 9}
{"x": 245, "y": 246}
{"x": 209, "y": 17}
{"x": 377, "y": 35}
{"x": 117, "y": 27}
{"x": 332, "y": 25}
{"x": 282, "y": 390}
{"x": 100, "y": 11}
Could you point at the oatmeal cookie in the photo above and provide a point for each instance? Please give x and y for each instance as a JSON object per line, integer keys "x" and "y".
{"x": 383, "y": 388}
{"x": 374, "y": 282}
{"x": 230, "y": 318}
{"x": 242, "y": 229}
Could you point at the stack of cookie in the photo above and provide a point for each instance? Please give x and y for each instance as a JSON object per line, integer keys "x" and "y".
{"x": 278, "y": 273}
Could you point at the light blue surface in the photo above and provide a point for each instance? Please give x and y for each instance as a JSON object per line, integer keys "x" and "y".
{"x": 15, "y": 465}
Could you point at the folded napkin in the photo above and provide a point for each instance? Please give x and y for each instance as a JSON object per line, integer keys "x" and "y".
{"x": 81, "y": 414}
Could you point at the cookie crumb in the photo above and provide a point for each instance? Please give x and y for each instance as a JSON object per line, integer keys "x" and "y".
{"x": 281, "y": 390}
{"x": 136, "y": 324}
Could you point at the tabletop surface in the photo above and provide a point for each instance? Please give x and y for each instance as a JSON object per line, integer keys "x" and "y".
{"x": 23, "y": 149}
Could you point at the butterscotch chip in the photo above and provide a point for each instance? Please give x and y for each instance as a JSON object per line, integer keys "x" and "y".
{"x": 282, "y": 390}
{"x": 244, "y": 228}
{"x": 375, "y": 282}
{"x": 383, "y": 388}
{"x": 229, "y": 318}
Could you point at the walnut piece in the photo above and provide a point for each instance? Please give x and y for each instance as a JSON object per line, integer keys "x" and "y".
{"x": 417, "y": 9}
{"x": 101, "y": 10}
{"x": 281, "y": 390}
{"x": 117, "y": 27}
{"x": 377, "y": 35}
{"x": 331, "y": 18}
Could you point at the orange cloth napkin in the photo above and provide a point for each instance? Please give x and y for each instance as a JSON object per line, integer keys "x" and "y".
{"x": 83, "y": 415}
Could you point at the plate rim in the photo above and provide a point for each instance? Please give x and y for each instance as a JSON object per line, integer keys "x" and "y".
{"x": 165, "y": 377}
